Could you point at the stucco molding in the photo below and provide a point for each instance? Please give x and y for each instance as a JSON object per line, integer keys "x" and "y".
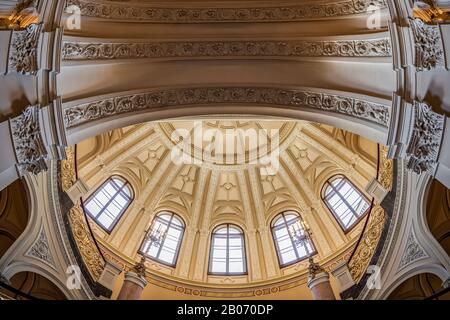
{"x": 31, "y": 152}
{"x": 169, "y": 14}
{"x": 358, "y": 108}
{"x": 23, "y": 50}
{"x": 425, "y": 142}
{"x": 77, "y": 51}
{"x": 429, "y": 52}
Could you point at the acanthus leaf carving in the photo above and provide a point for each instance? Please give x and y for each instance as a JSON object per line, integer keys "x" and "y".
{"x": 365, "y": 110}
{"x": 424, "y": 146}
{"x": 40, "y": 249}
{"x": 157, "y": 14}
{"x": 429, "y": 46}
{"x": 413, "y": 251}
{"x": 30, "y": 150}
{"x": 23, "y": 50}
{"x": 181, "y": 49}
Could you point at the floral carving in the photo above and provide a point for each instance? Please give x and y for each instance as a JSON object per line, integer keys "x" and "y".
{"x": 368, "y": 244}
{"x": 40, "y": 249}
{"x": 23, "y": 50}
{"x": 87, "y": 112}
{"x": 31, "y": 152}
{"x": 125, "y": 11}
{"x": 386, "y": 169}
{"x": 428, "y": 43}
{"x": 423, "y": 149}
{"x": 413, "y": 251}
{"x": 84, "y": 240}
{"x": 344, "y": 48}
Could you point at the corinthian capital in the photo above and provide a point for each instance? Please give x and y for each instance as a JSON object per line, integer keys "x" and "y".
{"x": 29, "y": 146}
{"x": 429, "y": 46}
{"x": 23, "y": 50}
{"x": 424, "y": 145}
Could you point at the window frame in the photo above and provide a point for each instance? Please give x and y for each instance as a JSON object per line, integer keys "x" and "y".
{"x": 124, "y": 209}
{"x": 338, "y": 220}
{"x": 244, "y": 252}
{"x": 178, "y": 249}
{"x": 277, "y": 248}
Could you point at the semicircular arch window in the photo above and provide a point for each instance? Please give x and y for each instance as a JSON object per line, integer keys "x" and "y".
{"x": 227, "y": 253}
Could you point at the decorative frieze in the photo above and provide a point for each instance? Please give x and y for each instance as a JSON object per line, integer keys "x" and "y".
{"x": 193, "y": 49}
{"x": 157, "y": 14}
{"x": 40, "y": 249}
{"x": 428, "y": 43}
{"x": 364, "y": 110}
{"x": 23, "y": 50}
{"x": 30, "y": 150}
{"x": 369, "y": 241}
{"x": 424, "y": 146}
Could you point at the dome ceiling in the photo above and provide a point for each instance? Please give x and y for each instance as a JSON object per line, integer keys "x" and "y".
{"x": 210, "y": 193}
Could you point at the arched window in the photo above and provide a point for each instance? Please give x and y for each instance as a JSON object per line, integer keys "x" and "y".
{"x": 107, "y": 204}
{"x": 345, "y": 201}
{"x": 163, "y": 240}
{"x": 292, "y": 238}
{"x": 227, "y": 255}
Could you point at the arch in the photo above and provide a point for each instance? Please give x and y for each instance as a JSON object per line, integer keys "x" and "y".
{"x": 163, "y": 239}
{"x": 14, "y": 214}
{"x": 430, "y": 268}
{"x": 418, "y": 287}
{"x": 291, "y": 238}
{"x": 25, "y": 266}
{"x": 227, "y": 256}
{"x": 36, "y": 286}
{"x": 437, "y": 213}
{"x": 364, "y": 115}
{"x": 345, "y": 201}
{"x": 109, "y": 202}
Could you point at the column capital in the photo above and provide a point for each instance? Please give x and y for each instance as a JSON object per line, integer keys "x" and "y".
{"x": 29, "y": 147}
{"x": 425, "y": 140}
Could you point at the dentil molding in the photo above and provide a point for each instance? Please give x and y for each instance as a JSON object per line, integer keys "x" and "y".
{"x": 364, "y": 110}
{"x": 185, "y": 49}
{"x": 141, "y": 12}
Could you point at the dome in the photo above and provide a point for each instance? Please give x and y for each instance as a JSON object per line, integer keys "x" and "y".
{"x": 209, "y": 188}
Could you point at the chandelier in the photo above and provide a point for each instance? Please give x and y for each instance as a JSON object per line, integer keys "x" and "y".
{"x": 156, "y": 236}
{"x": 300, "y": 233}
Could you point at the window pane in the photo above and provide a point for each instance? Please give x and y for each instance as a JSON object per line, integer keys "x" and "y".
{"x": 345, "y": 201}
{"x": 108, "y": 202}
{"x": 227, "y": 251}
{"x": 285, "y": 235}
{"x": 166, "y": 232}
